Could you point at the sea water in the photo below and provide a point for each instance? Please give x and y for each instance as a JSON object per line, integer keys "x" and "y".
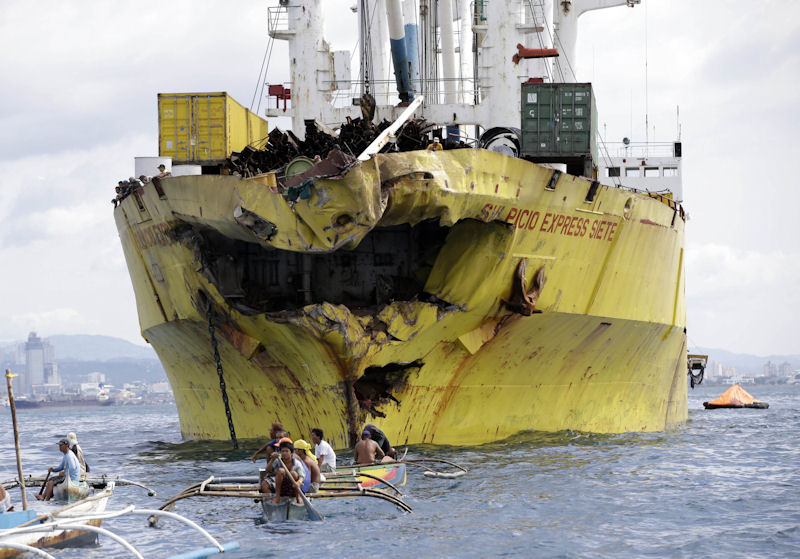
{"x": 726, "y": 484}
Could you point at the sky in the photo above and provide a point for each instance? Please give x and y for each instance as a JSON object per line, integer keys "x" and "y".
{"x": 79, "y": 103}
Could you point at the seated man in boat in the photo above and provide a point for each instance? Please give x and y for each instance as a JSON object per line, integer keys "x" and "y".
{"x": 326, "y": 457}
{"x": 303, "y": 451}
{"x": 287, "y": 462}
{"x": 367, "y": 451}
{"x": 69, "y": 469}
{"x": 5, "y": 500}
{"x": 379, "y": 437}
{"x": 75, "y": 447}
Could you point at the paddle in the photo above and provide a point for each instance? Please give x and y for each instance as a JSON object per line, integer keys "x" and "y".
{"x": 312, "y": 512}
{"x": 44, "y": 482}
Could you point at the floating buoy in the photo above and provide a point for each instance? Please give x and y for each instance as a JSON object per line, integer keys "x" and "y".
{"x": 735, "y": 397}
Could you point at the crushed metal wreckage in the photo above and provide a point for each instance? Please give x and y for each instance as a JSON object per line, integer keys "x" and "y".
{"x": 353, "y": 138}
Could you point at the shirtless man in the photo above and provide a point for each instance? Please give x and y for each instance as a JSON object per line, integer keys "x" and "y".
{"x": 367, "y": 451}
{"x": 379, "y": 437}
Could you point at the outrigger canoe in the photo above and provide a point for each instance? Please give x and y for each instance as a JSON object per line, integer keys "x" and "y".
{"x": 22, "y": 537}
{"x": 371, "y": 480}
{"x": 13, "y": 540}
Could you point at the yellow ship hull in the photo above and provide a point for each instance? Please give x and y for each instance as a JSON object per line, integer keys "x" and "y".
{"x": 593, "y": 340}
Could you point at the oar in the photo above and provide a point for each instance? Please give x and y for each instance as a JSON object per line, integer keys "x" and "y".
{"x": 312, "y": 512}
{"x": 44, "y": 482}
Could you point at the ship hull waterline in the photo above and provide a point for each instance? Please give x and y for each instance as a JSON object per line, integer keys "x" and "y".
{"x": 606, "y": 352}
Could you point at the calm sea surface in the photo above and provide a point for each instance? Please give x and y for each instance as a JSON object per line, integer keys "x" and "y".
{"x": 727, "y": 484}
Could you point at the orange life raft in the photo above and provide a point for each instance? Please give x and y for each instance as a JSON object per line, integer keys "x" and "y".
{"x": 735, "y": 397}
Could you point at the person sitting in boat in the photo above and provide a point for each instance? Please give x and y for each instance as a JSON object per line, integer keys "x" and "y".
{"x": 69, "y": 468}
{"x": 75, "y": 447}
{"x": 379, "y": 437}
{"x": 326, "y": 457}
{"x": 303, "y": 451}
{"x": 5, "y": 500}
{"x": 367, "y": 451}
{"x": 276, "y": 433}
{"x": 162, "y": 172}
{"x": 287, "y": 462}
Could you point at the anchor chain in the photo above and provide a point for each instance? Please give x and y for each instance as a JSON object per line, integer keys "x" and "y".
{"x": 218, "y": 361}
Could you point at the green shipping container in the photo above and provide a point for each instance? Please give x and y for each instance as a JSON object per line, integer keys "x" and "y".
{"x": 559, "y": 121}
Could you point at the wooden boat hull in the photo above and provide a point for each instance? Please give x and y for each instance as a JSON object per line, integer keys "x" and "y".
{"x": 287, "y": 509}
{"x": 56, "y": 538}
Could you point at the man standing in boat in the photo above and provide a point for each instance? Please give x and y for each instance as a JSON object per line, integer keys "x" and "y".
{"x": 69, "y": 467}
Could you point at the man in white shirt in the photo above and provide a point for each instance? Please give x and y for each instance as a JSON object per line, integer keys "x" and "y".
{"x": 326, "y": 457}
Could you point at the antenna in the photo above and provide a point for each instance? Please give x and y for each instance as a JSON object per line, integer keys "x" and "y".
{"x": 646, "y": 93}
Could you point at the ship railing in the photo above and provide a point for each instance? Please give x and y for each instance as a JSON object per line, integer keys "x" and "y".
{"x": 663, "y": 197}
{"x": 529, "y": 15}
{"x": 641, "y": 150}
{"x": 435, "y": 91}
{"x": 277, "y": 20}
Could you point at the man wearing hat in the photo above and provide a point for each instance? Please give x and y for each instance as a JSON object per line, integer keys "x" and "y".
{"x": 69, "y": 467}
{"x": 162, "y": 171}
{"x": 303, "y": 451}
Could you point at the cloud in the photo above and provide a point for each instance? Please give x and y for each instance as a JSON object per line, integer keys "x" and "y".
{"x": 742, "y": 299}
{"x": 83, "y": 105}
{"x": 46, "y": 320}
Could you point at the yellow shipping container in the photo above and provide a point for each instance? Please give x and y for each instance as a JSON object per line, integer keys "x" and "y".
{"x": 205, "y": 127}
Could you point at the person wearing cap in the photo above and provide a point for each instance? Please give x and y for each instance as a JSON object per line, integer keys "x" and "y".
{"x": 287, "y": 462}
{"x": 367, "y": 451}
{"x": 379, "y": 437}
{"x": 69, "y": 467}
{"x": 326, "y": 457}
{"x": 303, "y": 451}
{"x": 162, "y": 172}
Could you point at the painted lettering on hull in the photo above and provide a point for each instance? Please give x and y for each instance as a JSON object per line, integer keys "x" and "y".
{"x": 551, "y": 222}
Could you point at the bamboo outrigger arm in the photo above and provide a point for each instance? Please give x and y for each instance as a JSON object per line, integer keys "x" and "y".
{"x": 97, "y": 482}
{"x": 229, "y": 487}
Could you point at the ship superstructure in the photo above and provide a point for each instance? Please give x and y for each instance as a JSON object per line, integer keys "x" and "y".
{"x": 447, "y": 295}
